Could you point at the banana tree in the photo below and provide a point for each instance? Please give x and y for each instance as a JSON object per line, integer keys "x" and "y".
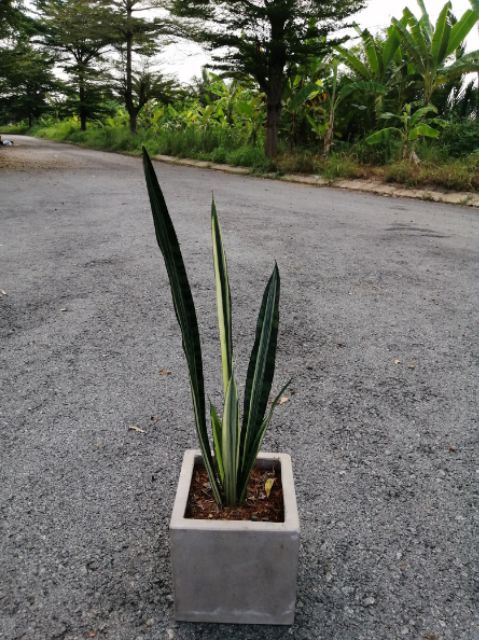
{"x": 475, "y": 7}
{"x": 436, "y": 51}
{"x": 377, "y": 60}
{"x": 412, "y": 127}
{"x": 322, "y": 118}
{"x": 297, "y": 89}
{"x": 248, "y": 114}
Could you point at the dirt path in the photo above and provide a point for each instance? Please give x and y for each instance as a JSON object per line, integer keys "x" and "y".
{"x": 378, "y": 328}
{"x": 31, "y": 154}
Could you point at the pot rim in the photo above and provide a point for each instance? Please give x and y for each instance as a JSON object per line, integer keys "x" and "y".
{"x": 291, "y": 520}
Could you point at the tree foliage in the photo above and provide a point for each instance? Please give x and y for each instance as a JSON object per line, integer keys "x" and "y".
{"x": 13, "y": 18}
{"x": 137, "y": 36}
{"x": 78, "y": 31}
{"x": 26, "y": 73}
{"x": 283, "y": 79}
{"x": 26, "y": 81}
{"x": 263, "y": 39}
{"x": 437, "y": 51}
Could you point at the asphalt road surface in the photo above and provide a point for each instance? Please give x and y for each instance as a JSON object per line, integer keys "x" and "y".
{"x": 379, "y": 329}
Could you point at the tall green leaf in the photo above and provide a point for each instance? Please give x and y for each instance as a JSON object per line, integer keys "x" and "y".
{"x": 371, "y": 51}
{"x": 420, "y": 33}
{"x": 390, "y": 46}
{"x": 260, "y": 373}
{"x": 426, "y": 21}
{"x": 223, "y": 298}
{"x": 254, "y": 448}
{"x": 475, "y": 6}
{"x": 383, "y": 136}
{"x": 461, "y": 30}
{"x": 184, "y": 309}
{"x": 422, "y": 113}
{"x": 367, "y": 86}
{"x": 354, "y": 63}
{"x": 216, "y": 428}
{"x": 441, "y": 35}
{"x": 423, "y": 131}
{"x": 468, "y": 63}
{"x": 230, "y": 432}
{"x": 408, "y": 42}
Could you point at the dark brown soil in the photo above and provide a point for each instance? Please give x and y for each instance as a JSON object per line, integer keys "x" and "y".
{"x": 257, "y": 507}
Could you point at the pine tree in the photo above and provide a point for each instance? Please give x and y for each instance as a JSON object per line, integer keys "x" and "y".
{"x": 26, "y": 73}
{"x": 79, "y": 31}
{"x": 136, "y": 35}
{"x": 263, "y": 39}
{"x": 26, "y": 80}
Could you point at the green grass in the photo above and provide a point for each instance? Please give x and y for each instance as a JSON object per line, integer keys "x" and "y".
{"x": 455, "y": 175}
{"x": 225, "y": 146}
{"x": 200, "y": 144}
{"x": 342, "y": 166}
{"x": 99, "y": 137}
{"x": 336, "y": 166}
{"x": 14, "y": 129}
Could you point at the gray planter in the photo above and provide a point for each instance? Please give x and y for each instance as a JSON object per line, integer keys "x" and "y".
{"x": 235, "y": 571}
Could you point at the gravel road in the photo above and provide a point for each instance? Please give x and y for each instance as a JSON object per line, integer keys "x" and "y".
{"x": 379, "y": 329}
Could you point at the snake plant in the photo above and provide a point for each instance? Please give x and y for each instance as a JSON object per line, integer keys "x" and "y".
{"x": 230, "y": 458}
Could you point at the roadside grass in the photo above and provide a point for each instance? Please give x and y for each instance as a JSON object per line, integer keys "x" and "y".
{"x": 436, "y": 170}
{"x": 13, "y": 129}
{"x": 455, "y": 175}
{"x": 219, "y": 147}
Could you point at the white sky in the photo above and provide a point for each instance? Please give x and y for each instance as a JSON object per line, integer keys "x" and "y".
{"x": 185, "y": 61}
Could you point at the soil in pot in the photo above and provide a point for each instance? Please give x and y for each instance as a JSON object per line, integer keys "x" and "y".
{"x": 258, "y": 506}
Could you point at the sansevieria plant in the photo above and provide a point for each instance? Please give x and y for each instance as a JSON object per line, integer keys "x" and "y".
{"x": 236, "y": 441}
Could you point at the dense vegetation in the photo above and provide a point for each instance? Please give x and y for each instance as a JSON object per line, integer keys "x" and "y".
{"x": 286, "y": 94}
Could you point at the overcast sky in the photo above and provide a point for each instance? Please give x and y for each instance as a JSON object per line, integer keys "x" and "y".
{"x": 185, "y": 61}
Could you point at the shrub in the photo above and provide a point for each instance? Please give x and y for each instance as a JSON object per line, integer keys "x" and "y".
{"x": 403, "y": 173}
{"x": 379, "y": 154}
{"x": 300, "y": 162}
{"x": 341, "y": 166}
{"x": 456, "y": 176}
{"x": 249, "y": 157}
{"x": 460, "y": 138}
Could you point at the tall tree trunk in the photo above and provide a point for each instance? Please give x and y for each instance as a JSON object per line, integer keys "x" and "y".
{"x": 292, "y": 132}
{"x": 329, "y": 135}
{"x": 273, "y": 114}
{"x": 83, "y": 120}
{"x": 130, "y": 107}
{"x": 274, "y": 81}
{"x": 477, "y": 93}
{"x": 129, "y": 73}
{"x": 82, "y": 108}
{"x": 272, "y": 124}
{"x": 428, "y": 90}
{"x": 133, "y": 120}
{"x": 333, "y": 103}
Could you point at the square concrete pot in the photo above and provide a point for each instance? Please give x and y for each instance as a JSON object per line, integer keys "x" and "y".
{"x": 235, "y": 571}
